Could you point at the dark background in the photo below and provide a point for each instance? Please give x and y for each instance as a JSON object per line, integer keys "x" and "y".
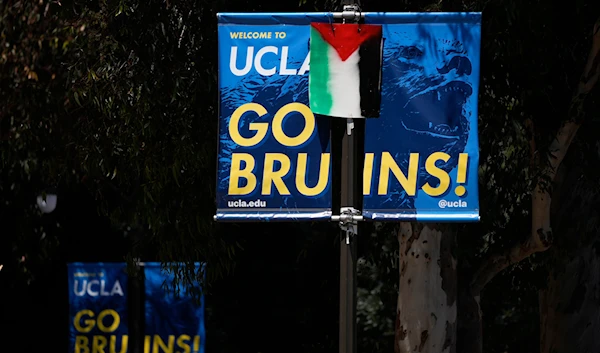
{"x": 275, "y": 297}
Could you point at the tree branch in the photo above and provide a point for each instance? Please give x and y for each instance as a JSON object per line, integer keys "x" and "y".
{"x": 540, "y": 237}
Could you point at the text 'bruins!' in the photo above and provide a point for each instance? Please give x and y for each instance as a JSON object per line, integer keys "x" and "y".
{"x": 285, "y": 171}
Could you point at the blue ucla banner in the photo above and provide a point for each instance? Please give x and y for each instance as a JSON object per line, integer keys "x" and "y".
{"x": 171, "y": 320}
{"x": 421, "y": 153}
{"x": 99, "y": 315}
{"x": 97, "y": 307}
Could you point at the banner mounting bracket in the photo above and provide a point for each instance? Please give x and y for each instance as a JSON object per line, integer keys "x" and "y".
{"x": 348, "y": 218}
{"x": 349, "y": 13}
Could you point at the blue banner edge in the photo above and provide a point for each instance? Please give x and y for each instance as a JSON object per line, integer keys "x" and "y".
{"x": 313, "y": 215}
{"x": 425, "y": 217}
{"x": 305, "y": 18}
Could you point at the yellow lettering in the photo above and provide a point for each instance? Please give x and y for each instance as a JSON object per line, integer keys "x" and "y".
{"x": 302, "y": 169}
{"x": 159, "y": 343}
{"x": 114, "y": 325}
{"x": 147, "y": 342}
{"x": 368, "y": 173}
{"x": 89, "y": 324}
{"x": 181, "y": 343}
{"x": 237, "y": 173}
{"x": 270, "y": 176}
{"x": 433, "y": 170}
{"x": 82, "y": 344}
{"x": 250, "y": 35}
{"x": 461, "y": 174}
{"x": 196, "y": 343}
{"x": 113, "y": 344}
{"x": 409, "y": 184}
{"x": 260, "y": 128}
{"x": 309, "y": 124}
{"x": 98, "y": 345}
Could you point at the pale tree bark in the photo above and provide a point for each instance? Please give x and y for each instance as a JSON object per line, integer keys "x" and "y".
{"x": 569, "y": 305}
{"x": 427, "y": 308}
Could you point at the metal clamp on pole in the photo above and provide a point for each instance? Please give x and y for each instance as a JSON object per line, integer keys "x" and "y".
{"x": 340, "y": 15}
{"x": 349, "y": 13}
{"x": 348, "y": 219}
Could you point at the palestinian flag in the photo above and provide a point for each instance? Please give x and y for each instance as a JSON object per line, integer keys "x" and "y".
{"x": 345, "y": 70}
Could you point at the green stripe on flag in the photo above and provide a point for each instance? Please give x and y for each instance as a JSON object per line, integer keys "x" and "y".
{"x": 320, "y": 96}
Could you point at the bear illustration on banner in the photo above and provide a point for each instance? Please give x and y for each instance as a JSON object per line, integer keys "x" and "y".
{"x": 428, "y": 87}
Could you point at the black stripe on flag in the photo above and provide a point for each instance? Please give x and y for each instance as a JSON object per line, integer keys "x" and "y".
{"x": 369, "y": 66}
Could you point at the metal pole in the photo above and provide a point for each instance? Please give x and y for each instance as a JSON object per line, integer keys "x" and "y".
{"x": 347, "y": 333}
{"x": 136, "y": 290}
{"x": 351, "y": 203}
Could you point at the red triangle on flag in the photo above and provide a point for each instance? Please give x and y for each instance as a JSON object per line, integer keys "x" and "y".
{"x": 345, "y": 38}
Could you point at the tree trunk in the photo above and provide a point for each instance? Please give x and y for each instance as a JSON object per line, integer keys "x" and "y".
{"x": 426, "y": 314}
{"x": 569, "y": 305}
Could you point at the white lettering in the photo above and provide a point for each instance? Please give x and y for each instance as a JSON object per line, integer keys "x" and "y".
{"x": 257, "y": 59}
{"x": 117, "y": 289}
{"x": 90, "y": 291}
{"x": 450, "y": 204}
{"x": 89, "y": 287}
{"x": 258, "y": 64}
{"x": 233, "y": 61}
{"x": 283, "y": 70}
{"x": 305, "y": 65}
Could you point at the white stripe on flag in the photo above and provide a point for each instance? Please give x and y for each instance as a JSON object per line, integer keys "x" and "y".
{"x": 344, "y": 85}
